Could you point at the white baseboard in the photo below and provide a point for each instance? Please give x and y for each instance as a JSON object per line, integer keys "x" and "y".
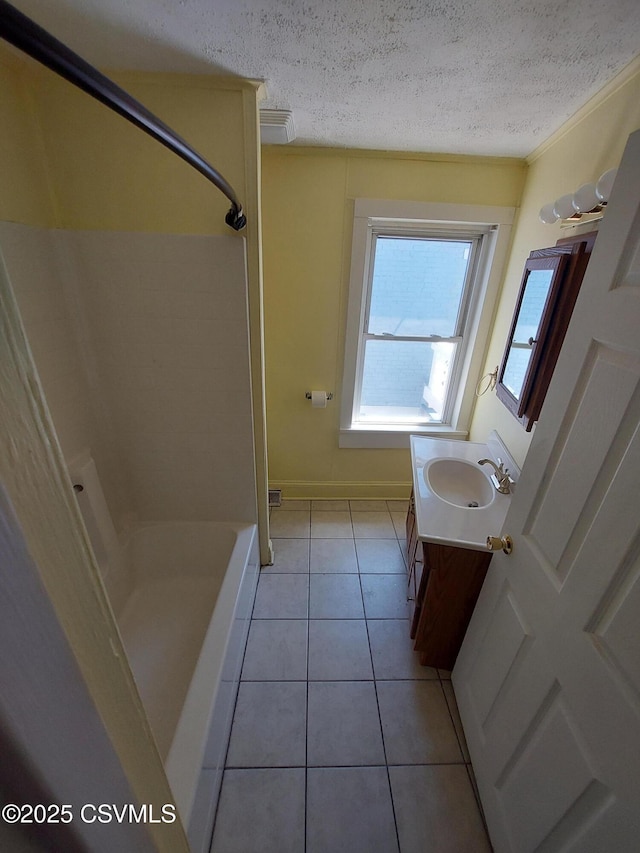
{"x": 341, "y": 490}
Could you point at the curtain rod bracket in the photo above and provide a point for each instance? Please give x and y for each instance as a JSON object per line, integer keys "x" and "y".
{"x": 235, "y": 218}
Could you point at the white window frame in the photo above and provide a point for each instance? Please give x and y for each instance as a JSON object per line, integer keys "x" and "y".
{"x": 372, "y": 217}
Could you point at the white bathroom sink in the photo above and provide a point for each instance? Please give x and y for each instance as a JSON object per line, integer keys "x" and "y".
{"x": 446, "y": 479}
{"x": 458, "y": 482}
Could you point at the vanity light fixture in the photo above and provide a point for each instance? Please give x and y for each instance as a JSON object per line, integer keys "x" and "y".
{"x": 589, "y": 198}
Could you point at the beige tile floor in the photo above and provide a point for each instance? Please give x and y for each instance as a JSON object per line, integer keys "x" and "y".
{"x": 341, "y": 741}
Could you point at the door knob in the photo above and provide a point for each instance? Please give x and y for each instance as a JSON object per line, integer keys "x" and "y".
{"x": 495, "y": 543}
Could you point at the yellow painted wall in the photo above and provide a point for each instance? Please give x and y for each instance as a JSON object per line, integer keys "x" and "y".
{"x": 68, "y": 161}
{"x": 25, "y": 194}
{"x": 588, "y": 145}
{"x": 109, "y": 175}
{"x": 307, "y": 198}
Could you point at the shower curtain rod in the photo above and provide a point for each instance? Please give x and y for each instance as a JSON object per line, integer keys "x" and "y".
{"x": 27, "y": 36}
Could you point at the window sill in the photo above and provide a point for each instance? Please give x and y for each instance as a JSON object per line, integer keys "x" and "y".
{"x": 389, "y": 437}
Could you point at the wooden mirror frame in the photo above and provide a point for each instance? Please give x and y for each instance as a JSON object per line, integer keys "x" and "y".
{"x": 568, "y": 259}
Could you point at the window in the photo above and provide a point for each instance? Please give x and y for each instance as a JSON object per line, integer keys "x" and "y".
{"x": 417, "y": 297}
{"x": 414, "y": 327}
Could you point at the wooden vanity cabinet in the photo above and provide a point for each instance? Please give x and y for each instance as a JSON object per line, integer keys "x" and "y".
{"x": 444, "y": 585}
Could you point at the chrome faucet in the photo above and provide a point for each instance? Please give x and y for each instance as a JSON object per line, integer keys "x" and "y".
{"x": 501, "y": 479}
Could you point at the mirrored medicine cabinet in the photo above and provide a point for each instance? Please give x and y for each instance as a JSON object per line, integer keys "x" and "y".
{"x": 548, "y": 291}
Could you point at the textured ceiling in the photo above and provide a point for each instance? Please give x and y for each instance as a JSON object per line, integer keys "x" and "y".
{"x": 492, "y": 77}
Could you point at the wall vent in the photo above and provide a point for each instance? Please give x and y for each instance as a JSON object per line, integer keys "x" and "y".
{"x": 276, "y": 127}
{"x": 275, "y": 497}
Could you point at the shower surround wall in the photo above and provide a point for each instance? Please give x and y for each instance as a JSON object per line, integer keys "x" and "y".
{"x": 168, "y": 319}
{"x": 142, "y": 347}
{"x": 52, "y": 318}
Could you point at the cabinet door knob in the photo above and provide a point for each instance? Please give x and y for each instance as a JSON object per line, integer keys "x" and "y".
{"x": 495, "y": 543}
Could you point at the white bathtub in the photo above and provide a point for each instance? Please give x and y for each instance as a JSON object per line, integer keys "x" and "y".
{"x": 184, "y": 625}
{"x": 182, "y": 594}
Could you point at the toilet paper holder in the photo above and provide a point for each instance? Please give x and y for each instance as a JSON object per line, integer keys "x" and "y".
{"x": 329, "y": 395}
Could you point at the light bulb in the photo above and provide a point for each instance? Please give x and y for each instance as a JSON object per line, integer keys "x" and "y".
{"x": 605, "y": 184}
{"x": 547, "y": 214}
{"x": 563, "y": 207}
{"x": 585, "y": 198}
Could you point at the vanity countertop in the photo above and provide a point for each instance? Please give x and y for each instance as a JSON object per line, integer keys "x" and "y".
{"x": 445, "y": 523}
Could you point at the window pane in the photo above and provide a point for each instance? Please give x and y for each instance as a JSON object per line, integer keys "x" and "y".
{"x": 405, "y": 381}
{"x": 417, "y": 285}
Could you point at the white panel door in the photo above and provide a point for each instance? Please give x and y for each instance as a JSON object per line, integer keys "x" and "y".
{"x": 548, "y": 677}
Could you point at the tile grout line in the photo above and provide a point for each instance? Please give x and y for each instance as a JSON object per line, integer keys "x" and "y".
{"x": 467, "y": 764}
{"x": 384, "y": 746}
{"x": 345, "y": 766}
{"x": 340, "y": 766}
{"x": 453, "y": 722}
{"x": 474, "y": 786}
{"x": 375, "y": 690}
{"x": 306, "y": 710}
